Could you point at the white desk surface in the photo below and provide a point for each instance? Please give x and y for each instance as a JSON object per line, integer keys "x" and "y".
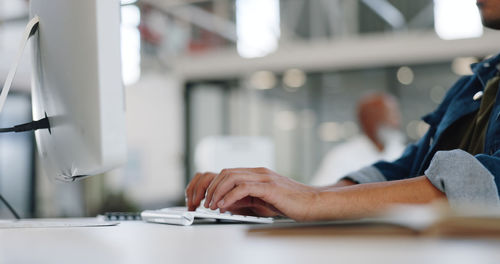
{"x": 138, "y": 242}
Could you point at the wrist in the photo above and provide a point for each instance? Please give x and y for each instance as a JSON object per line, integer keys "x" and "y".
{"x": 326, "y": 205}
{"x": 310, "y": 207}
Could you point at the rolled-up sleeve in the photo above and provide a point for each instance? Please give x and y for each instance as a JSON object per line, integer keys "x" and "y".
{"x": 463, "y": 178}
{"x": 366, "y": 175}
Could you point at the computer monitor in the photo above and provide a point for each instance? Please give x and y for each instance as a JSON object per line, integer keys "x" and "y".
{"x": 77, "y": 83}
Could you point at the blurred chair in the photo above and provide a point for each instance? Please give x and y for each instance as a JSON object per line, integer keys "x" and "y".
{"x": 219, "y": 152}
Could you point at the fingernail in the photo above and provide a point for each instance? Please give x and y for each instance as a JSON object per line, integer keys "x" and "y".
{"x": 221, "y": 203}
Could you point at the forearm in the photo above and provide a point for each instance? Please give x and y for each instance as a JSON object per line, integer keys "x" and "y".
{"x": 341, "y": 183}
{"x": 366, "y": 199}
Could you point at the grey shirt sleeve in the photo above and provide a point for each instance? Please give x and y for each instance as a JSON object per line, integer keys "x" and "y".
{"x": 366, "y": 175}
{"x": 458, "y": 174}
{"x": 463, "y": 179}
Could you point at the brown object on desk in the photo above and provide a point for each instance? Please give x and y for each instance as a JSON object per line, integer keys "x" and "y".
{"x": 483, "y": 227}
{"x": 334, "y": 228}
{"x": 411, "y": 220}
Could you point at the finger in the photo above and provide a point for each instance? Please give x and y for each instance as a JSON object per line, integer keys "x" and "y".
{"x": 254, "y": 189}
{"x": 261, "y": 170}
{"x": 222, "y": 175}
{"x": 257, "y": 205}
{"x": 232, "y": 180}
{"x": 201, "y": 187}
{"x": 253, "y": 206}
{"x": 214, "y": 183}
{"x": 261, "y": 206}
{"x": 240, "y": 211}
{"x": 190, "y": 189}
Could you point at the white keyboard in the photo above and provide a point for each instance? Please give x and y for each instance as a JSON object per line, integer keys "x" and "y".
{"x": 181, "y": 216}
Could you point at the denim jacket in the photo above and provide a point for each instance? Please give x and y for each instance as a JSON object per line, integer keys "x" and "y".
{"x": 462, "y": 177}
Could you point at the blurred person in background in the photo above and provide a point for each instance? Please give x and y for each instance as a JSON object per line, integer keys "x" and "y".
{"x": 457, "y": 160}
{"x": 380, "y": 120}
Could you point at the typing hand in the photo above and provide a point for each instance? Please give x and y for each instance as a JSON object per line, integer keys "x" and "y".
{"x": 195, "y": 191}
{"x": 257, "y": 191}
{"x": 195, "y": 197}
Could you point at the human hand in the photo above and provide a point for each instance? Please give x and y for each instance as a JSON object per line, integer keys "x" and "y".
{"x": 256, "y": 190}
{"x": 196, "y": 189}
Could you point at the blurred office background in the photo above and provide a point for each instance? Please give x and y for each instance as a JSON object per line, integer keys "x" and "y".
{"x": 272, "y": 79}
